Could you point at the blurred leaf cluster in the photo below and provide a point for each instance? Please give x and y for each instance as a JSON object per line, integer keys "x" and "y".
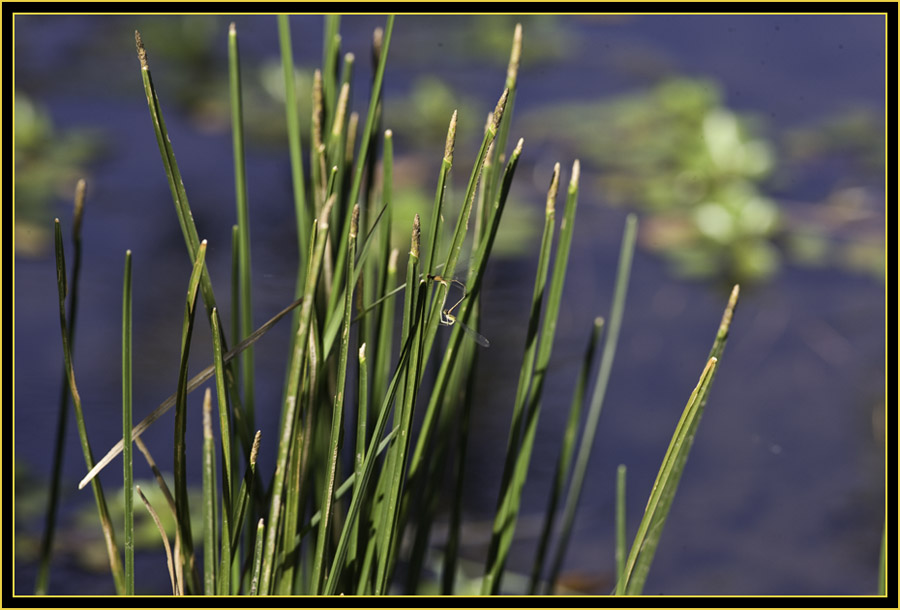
{"x": 48, "y": 163}
{"x": 692, "y": 165}
{"x": 699, "y": 172}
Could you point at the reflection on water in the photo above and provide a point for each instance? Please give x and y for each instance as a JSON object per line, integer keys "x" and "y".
{"x": 783, "y": 492}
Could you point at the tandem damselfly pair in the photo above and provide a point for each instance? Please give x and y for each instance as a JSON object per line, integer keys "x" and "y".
{"x": 447, "y": 316}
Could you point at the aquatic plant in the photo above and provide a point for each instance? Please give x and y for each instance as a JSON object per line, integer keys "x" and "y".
{"x": 366, "y": 441}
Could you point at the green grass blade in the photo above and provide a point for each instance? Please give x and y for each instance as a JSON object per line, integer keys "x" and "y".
{"x": 385, "y": 344}
{"x": 360, "y": 490}
{"x": 545, "y": 347}
{"x": 330, "y": 53}
{"x": 182, "y": 507}
{"x": 522, "y": 422}
{"x": 235, "y": 284}
{"x": 295, "y": 490}
{"x": 228, "y": 483}
{"x": 371, "y": 201}
{"x": 337, "y": 416}
{"x": 374, "y": 100}
{"x": 336, "y": 147}
{"x": 476, "y": 271}
{"x": 589, "y": 432}
{"x": 195, "y": 382}
{"x": 350, "y": 483}
{"x": 451, "y": 553}
{"x": 462, "y": 222}
{"x": 244, "y": 493}
{"x": 257, "y": 558}
{"x": 209, "y": 499}
{"x": 391, "y": 527}
{"x": 664, "y": 488}
{"x": 46, "y": 550}
{"x": 512, "y": 77}
{"x": 567, "y": 450}
{"x": 318, "y": 172}
{"x": 128, "y": 473}
{"x": 432, "y": 245}
{"x": 176, "y": 185}
{"x": 240, "y": 187}
{"x": 362, "y": 157}
{"x": 429, "y": 422}
{"x": 386, "y": 268}
{"x": 295, "y": 366}
{"x": 298, "y": 179}
{"x": 115, "y": 561}
{"x": 362, "y": 422}
{"x": 663, "y": 492}
{"x": 621, "y": 529}
{"x": 182, "y": 207}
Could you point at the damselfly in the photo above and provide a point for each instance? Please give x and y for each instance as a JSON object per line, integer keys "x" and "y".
{"x": 447, "y": 316}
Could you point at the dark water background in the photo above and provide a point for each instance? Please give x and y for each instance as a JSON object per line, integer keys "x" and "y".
{"x": 783, "y": 493}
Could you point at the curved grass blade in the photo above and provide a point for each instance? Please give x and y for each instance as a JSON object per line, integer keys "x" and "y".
{"x": 228, "y": 484}
{"x": 43, "y": 578}
{"x": 176, "y": 185}
{"x": 115, "y": 561}
{"x": 165, "y": 539}
{"x": 182, "y": 507}
{"x": 647, "y": 538}
{"x": 246, "y": 490}
{"x": 663, "y": 491}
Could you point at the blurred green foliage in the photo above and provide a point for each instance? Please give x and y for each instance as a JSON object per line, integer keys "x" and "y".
{"x": 699, "y": 172}
{"x": 48, "y": 163}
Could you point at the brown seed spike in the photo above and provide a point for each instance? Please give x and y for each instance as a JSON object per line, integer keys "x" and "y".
{"x": 576, "y": 175}
{"x": 377, "y": 44}
{"x": 729, "y": 309}
{"x": 498, "y": 111}
{"x": 515, "y": 57}
{"x": 254, "y": 450}
{"x": 414, "y": 249}
{"x": 142, "y": 53}
{"x": 354, "y": 222}
{"x": 519, "y": 145}
{"x": 552, "y": 191}
{"x": 451, "y": 139}
{"x": 317, "y": 108}
{"x": 80, "y": 190}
